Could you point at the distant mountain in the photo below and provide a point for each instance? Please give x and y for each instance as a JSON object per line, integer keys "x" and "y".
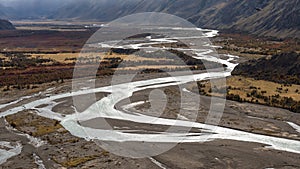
{"x": 262, "y": 17}
{"x": 277, "y": 18}
{"x": 4, "y": 12}
{"x": 283, "y": 68}
{"x": 107, "y": 10}
{"x": 6, "y": 25}
{"x": 280, "y": 18}
{"x": 29, "y": 9}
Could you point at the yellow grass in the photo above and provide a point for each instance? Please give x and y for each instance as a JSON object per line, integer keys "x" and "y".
{"x": 76, "y": 161}
{"x": 133, "y": 57}
{"x": 261, "y": 85}
{"x": 2, "y": 56}
{"x": 42, "y": 126}
{"x": 61, "y": 57}
{"x": 142, "y": 67}
{"x": 241, "y": 86}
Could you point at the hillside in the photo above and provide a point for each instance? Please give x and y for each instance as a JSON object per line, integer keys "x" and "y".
{"x": 3, "y": 11}
{"x": 29, "y": 9}
{"x": 107, "y": 10}
{"x": 275, "y": 18}
{"x": 6, "y": 25}
{"x": 282, "y": 68}
{"x": 279, "y": 18}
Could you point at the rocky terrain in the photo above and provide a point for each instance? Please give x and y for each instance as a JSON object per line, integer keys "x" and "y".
{"x": 47, "y": 144}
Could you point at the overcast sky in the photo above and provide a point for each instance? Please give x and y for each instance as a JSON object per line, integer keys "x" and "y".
{"x": 17, "y": 3}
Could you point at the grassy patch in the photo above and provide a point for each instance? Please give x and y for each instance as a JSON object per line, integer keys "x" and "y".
{"x": 244, "y": 86}
{"x": 33, "y": 125}
{"x": 73, "y": 162}
{"x": 244, "y": 89}
{"x": 251, "y": 47}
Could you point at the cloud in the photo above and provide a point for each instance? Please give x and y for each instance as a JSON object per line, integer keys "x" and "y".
{"x": 25, "y": 3}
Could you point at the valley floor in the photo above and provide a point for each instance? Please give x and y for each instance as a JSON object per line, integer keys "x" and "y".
{"x": 37, "y": 109}
{"x": 57, "y": 148}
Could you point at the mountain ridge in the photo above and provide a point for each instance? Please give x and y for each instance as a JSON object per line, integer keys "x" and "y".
{"x": 274, "y": 18}
{"x": 281, "y": 68}
{"x": 6, "y": 25}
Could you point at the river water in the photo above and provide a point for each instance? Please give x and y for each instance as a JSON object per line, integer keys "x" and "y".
{"x": 105, "y": 108}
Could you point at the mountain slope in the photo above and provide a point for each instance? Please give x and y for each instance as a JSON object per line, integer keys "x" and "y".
{"x": 6, "y": 25}
{"x": 231, "y": 12}
{"x": 277, "y": 17}
{"x": 283, "y": 68}
{"x": 107, "y": 10}
{"x": 3, "y": 12}
{"x": 29, "y": 9}
{"x": 104, "y": 10}
{"x": 262, "y": 17}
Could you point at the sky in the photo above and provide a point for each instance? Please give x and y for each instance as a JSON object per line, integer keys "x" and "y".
{"x": 31, "y": 8}
{"x": 20, "y": 3}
